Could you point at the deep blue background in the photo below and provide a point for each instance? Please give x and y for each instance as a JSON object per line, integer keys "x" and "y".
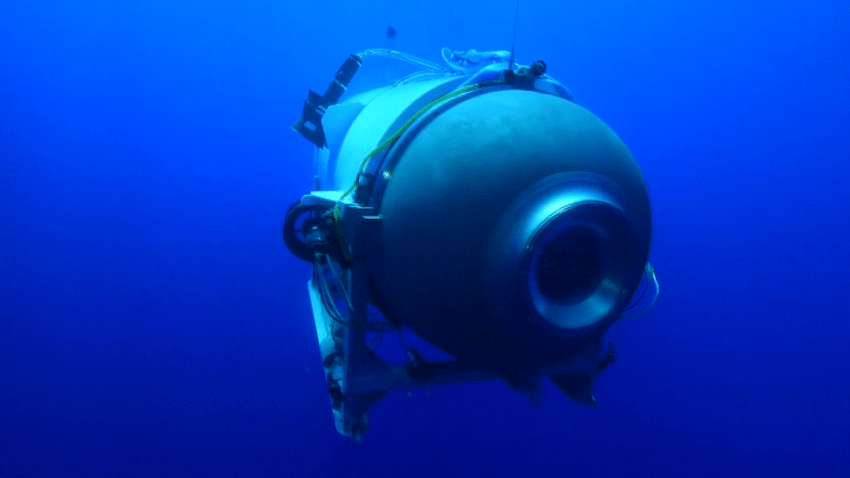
{"x": 152, "y": 323}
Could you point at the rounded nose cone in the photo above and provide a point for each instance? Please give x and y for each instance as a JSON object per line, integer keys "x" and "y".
{"x": 515, "y": 224}
{"x": 564, "y": 253}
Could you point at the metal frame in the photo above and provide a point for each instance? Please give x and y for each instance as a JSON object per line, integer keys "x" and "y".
{"x": 357, "y": 376}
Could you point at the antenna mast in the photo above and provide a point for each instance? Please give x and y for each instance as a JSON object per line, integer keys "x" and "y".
{"x": 513, "y": 43}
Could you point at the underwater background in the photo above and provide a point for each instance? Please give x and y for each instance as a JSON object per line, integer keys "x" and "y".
{"x": 152, "y": 323}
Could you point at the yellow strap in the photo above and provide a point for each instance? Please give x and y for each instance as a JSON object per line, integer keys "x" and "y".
{"x": 337, "y": 209}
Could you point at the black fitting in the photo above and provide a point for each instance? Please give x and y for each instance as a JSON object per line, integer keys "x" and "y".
{"x": 537, "y": 68}
{"x": 524, "y": 77}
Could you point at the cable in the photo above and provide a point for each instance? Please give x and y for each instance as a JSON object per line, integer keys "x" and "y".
{"x": 404, "y": 57}
{"x": 416, "y": 75}
{"x": 649, "y": 273}
{"x": 341, "y": 285}
{"x": 326, "y": 296}
{"x": 513, "y": 42}
{"x": 324, "y": 292}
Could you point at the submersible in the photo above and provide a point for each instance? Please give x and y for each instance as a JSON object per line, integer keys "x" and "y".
{"x": 478, "y": 206}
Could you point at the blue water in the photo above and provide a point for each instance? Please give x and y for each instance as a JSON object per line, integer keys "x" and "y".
{"x": 152, "y": 323}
